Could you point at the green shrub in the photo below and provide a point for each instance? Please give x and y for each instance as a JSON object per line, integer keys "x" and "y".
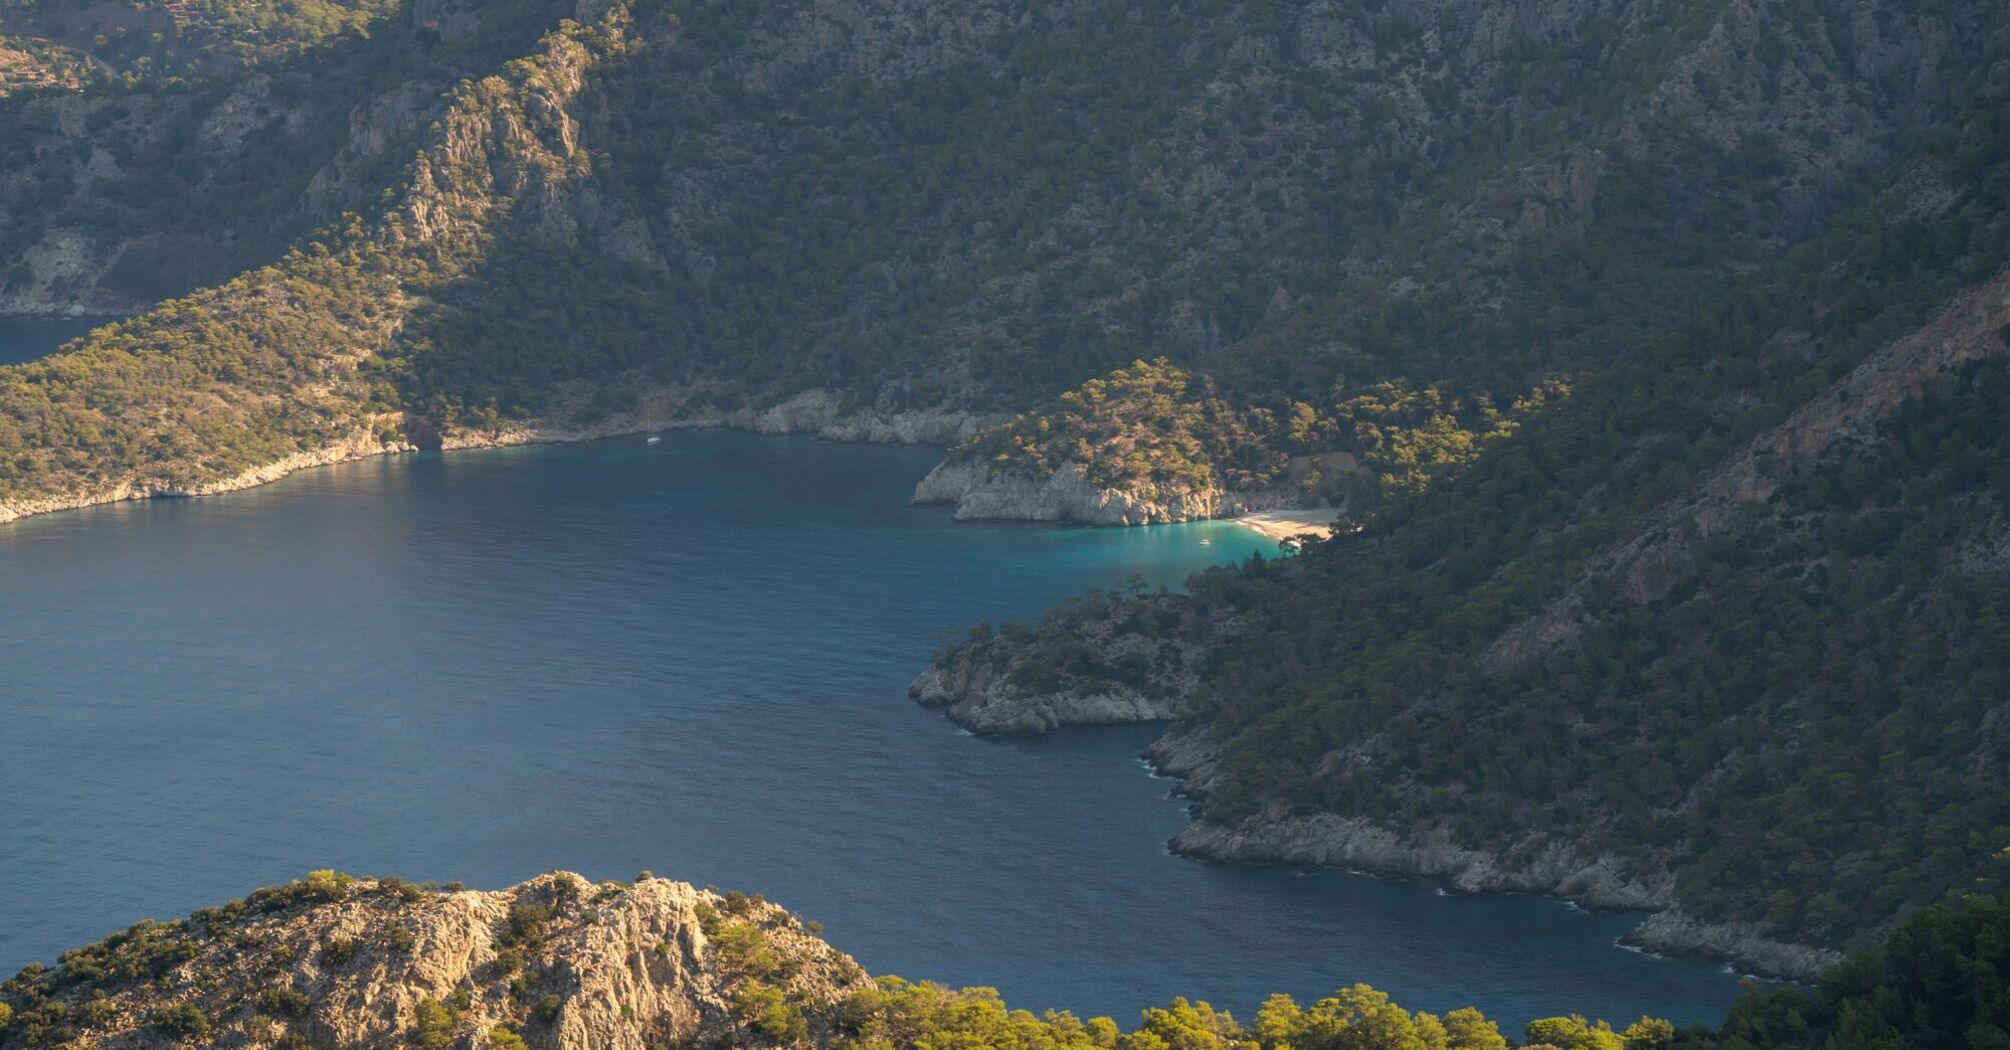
{"x": 433, "y": 1024}
{"x": 284, "y": 1002}
{"x": 767, "y": 1011}
{"x": 186, "y": 1021}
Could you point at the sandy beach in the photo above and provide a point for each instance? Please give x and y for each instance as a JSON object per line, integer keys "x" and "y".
{"x": 1284, "y": 524}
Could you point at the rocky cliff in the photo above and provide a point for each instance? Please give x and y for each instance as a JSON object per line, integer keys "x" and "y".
{"x": 558, "y": 961}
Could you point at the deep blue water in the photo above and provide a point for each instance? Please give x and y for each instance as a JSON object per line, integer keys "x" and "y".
{"x": 691, "y": 658}
{"x": 27, "y": 338}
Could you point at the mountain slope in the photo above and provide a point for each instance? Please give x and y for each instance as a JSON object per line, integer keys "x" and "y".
{"x": 276, "y": 369}
{"x": 1367, "y": 234}
{"x": 125, "y": 193}
{"x": 1722, "y": 633}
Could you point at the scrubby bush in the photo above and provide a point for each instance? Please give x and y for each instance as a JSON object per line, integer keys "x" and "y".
{"x": 433, "y": 1024}
{"x": 186, "y": 1021}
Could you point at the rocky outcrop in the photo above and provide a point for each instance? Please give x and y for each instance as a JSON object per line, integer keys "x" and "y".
{"x": 983, "y": 494}
{"x": 559, "y": 961}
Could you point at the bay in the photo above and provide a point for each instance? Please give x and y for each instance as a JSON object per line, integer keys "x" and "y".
{"x": 689, "y": 657}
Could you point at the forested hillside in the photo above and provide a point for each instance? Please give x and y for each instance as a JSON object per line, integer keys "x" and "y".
{"x": 1725, "y": 631}
{"x": 1372, "y": 236}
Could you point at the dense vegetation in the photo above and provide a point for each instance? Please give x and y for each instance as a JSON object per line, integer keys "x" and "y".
{"x": 1798, "y": 711}
{"x": 1155, "y": 424}
{"x": 1941, "y": 982}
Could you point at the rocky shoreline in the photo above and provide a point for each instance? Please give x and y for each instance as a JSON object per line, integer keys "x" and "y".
{"x": 815, "y": 411}
{"x": 973, "y": 690}
{"x": 1602, "y": 883}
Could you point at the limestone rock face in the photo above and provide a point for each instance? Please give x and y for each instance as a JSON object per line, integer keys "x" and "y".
{"x": 565, "y": 963}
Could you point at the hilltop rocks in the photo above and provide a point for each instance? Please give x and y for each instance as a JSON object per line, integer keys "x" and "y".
{"x": 340, "y": 963}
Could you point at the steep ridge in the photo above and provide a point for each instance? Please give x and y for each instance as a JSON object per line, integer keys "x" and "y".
{"x": 1465, "y": 271}
{"x": 1730, "y": 502}
{"x": 245, "y": 382}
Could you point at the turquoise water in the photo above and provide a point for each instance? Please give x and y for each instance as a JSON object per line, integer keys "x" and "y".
{"x": 27, "y": 338}
{"x": 692, "y": 658}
